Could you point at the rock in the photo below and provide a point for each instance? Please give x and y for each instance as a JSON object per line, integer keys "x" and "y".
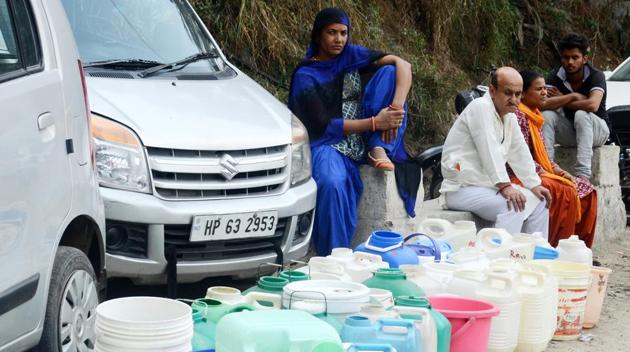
{"x": 611, "y": 213}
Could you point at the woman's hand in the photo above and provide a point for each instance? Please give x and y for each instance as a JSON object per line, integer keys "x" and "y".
{"x": 542, "y": 193}
{"x": 388, "y": 119}
{"x": 562, "y": 173}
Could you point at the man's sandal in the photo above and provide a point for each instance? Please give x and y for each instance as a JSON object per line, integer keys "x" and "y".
{"x": 380, "y": 164}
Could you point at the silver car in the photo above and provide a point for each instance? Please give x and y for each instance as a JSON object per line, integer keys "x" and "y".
{"x": 52, "y": 248}
{"x": 193, "y": 157}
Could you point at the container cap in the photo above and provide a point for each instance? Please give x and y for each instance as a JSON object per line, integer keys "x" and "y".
{"x": 272, "y": 283}
{"x": 390, "y": 273}
{"x": 412, "y": 301}
{"x": 573, "y": 241}
{"x": 358, "y": 320}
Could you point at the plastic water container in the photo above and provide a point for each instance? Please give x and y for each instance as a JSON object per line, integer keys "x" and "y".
{"x": 143, "y": 324}
{"x": 427, "y": 249}
{"x": 533, "y": 333}
{"x": 574, "y": 280}
{"x": 471, "y": 258}
{"x": 465, "y": 282}
{"x": 442, "y": 325}
{"x": 212, "y": 310}
{"x": 341, "y": 255}
{"x": 389, "y": 245}
{"x": 203, "y": 332}
{"x": 292, "y": 275}
{"x": 363, "y": 265}
{"x": 375, "y": 312}
{"x": 459, "y": 234}
{"x": 400, "y": 333}
{"x": 336, "y": 297}
{"x": 470, "y": 321}
{"x": 418, "y": 275}
{"x": 395, "y": 281}
{"x": 502, "y": 291}
{"x": 275, "y": 330}
{"x": 551, "y": 295}
{"x": 573, "y": 249}
{"x": 370, "y": 347}
{"x": 441, "y": 272}
{"x": 426, "y": 331}
{"x": 498, "y": 243}
{"x": 325, "y": 268}
{"x": 382, "y": 297}
{"x": 595, "y": 297}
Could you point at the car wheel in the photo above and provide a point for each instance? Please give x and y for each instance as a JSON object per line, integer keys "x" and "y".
{"x": 71, "y": 307}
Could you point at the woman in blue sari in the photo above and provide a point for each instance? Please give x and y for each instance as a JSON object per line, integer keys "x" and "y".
{"x": 348, "y": 122}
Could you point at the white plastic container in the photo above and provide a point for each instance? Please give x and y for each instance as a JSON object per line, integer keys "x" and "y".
{"x": 325, "y": 268}
{"x": 551, "y": 294}
{"x": 418, "y": 275}
{"x": 573, "y": 249}
{"x": 375, "y": 312}
{"x": 225, "y": 294}
{"x": 341, "y": 255}
{"x": 424, "y": 323}
{"x": 338, "y": 297}
{"x": 143, "y": 324}
{"x": 459, "y": 235}
{"x": 470, "y": 258}
{"x": 441, "y": 272}
{"x": 363, "y": 266}
{"x": 382, "y": 297}
{"x": 533, "y": 333}
{"x": 465, "y": 282}
{"x": 486, "y": 242}
{"x": 502, "y": 291}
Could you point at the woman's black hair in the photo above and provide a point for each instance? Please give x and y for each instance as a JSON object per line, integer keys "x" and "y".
{"x": 529, "y": 77}
{"x": 574, "y": 40}
{"x": 324, "y": 18}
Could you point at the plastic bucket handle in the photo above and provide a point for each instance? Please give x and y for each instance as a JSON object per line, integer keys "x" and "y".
{"x": 469, "y": 323}
{"x": 438, "y": 251}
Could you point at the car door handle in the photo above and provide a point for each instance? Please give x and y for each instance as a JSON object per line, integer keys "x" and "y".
{"x": 45, "y": 120}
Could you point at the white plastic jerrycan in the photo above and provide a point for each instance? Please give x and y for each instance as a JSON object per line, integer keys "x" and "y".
{"x": 496, "y": 243}
{"x": 363, "y": 265}
{"x": 341, "y": 255}
{"x": 501, "y": 290}
{"x": 459, "y": 235}
{"x": 551, "y": 294}
{"x": 465, "y": 282}
{"x": 471, "y": 258}
{"x": 418, "y": 275}
{"x": 573, "y": 249}
{"x": 324, "y": 268}
{"x": 535, "y": 313}
{"x": 425, "y": 326}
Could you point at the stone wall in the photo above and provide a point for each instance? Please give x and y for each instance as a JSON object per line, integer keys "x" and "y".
{"x": 611, "y": 213}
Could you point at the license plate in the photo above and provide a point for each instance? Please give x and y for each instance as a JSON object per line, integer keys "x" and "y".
{"x": 233, "y": 226}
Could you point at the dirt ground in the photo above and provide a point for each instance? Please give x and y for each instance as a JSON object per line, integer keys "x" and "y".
{"x": 613, "y": 331}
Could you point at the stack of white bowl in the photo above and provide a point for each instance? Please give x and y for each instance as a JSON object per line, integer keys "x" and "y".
{"x": 139, "y": 324}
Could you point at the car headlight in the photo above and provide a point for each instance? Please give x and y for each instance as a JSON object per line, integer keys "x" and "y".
{"x": 120, "y": 159}
{"x": 300, "y": 153}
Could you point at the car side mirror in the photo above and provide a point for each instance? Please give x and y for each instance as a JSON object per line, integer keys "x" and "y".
{"x": 607, "y": 74}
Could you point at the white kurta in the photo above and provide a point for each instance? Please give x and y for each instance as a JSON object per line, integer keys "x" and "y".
{"x": 479, "y": 145}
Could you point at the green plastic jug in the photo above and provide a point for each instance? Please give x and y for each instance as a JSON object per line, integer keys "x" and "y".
{"x": 395, "y": 281}
{"x": 277, "y": 331}
{"x": 442, "y": 325}
{"x": 203, "y": 332}
{"x": 213, "y": 310}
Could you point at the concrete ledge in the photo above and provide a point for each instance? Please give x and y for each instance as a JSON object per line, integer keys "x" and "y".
{"x": 381, "y": 207}
{"x": 611, "y": 212}
{"x": 432, "y": 209}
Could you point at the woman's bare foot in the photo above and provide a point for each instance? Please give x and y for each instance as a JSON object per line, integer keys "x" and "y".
{"x": 378, "y": 159}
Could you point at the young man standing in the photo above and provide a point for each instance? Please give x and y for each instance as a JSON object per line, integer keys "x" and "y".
{"x": 575, "y": 110}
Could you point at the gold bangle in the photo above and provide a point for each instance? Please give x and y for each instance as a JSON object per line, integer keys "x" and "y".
{"x": 373, "y": 124}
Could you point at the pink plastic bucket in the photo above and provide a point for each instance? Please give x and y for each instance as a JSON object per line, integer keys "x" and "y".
{"x": 470, "y": 321}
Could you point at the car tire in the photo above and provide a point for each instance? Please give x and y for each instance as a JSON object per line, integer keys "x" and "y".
{"x": 73, "y": 297}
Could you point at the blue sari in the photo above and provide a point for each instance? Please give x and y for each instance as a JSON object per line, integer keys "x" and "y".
{"x": 315, "y": 98}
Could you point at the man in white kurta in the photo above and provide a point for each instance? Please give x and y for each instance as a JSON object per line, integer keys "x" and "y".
{"x": 484, "y": 139}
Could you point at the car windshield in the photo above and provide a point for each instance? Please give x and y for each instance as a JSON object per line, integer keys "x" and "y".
{"x": 622, "y": 74}
{"x": 149, "y": 31}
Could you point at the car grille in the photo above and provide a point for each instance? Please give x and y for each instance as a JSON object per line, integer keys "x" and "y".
{"x": 179, "y": 235}
{"x": 200, "y": 174}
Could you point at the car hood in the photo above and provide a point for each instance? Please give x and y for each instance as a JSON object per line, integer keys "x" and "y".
{"x": 227, "y": 114}
{"x": 617, "y": 93}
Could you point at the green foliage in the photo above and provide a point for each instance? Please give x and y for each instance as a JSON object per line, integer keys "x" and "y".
{"x": 446, "y": 41}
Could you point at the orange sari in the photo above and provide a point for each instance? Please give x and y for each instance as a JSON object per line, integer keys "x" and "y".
{"x": 568, "y": 213}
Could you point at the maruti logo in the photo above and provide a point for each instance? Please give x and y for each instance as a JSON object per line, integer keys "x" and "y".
{"x": 229, "y": 167}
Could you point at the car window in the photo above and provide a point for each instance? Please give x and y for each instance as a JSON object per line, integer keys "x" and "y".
{"x": 27, "y": 34}
{"x": 9, "y": 57}
{"x": 622, "y": 74}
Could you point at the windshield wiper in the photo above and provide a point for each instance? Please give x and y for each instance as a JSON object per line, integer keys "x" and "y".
{"x": 125, "y": 63}
{"x": 185, "y": 61}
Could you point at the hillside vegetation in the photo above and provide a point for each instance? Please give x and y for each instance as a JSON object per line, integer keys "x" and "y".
{"x": 447, "y": 41}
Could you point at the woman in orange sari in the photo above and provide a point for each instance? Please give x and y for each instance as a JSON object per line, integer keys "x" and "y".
{"x": 574, "y": 207}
